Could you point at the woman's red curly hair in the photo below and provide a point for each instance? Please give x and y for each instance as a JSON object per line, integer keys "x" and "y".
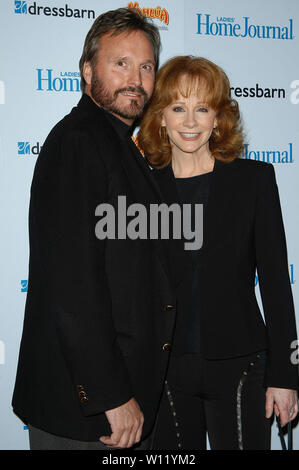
{"x": 185, "y": 75}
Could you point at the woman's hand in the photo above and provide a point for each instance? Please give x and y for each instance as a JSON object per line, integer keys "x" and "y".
{"x": 284, "y": 402}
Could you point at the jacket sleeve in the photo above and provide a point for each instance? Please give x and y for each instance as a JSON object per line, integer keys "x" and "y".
{"x": 65, "y": 195}
{"x": 274, "y": 283}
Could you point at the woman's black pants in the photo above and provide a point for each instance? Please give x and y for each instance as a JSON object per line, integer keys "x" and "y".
{"x": 224, "y": 399}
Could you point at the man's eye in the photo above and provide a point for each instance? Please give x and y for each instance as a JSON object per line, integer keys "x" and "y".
{"x": 121, "y": 63}
{"x": 148, "y": 67}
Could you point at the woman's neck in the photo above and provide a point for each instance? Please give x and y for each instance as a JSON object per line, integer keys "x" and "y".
{"x": 184, "y": 166}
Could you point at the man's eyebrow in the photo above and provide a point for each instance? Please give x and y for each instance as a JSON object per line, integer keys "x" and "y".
{"x": 149, "y": 61}
{"x": 146, "y": 61}
{"x": 119, "y": 57}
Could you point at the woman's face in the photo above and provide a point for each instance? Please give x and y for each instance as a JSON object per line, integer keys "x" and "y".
{"x": 189, "y": 123}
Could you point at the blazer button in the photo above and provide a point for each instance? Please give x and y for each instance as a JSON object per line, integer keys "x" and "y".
{"x": 166, "y": 347}
{"x": 168, "y": 307}
{"x": 82, "y": 394}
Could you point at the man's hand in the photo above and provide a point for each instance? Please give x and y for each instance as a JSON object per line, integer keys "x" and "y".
{"x": 126, "y": 423}
{"x": 284, "y": 402}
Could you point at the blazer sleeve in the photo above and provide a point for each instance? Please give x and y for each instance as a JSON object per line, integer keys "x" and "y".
{"x": 274, "y": 283}
{"x": 66, "y": 194}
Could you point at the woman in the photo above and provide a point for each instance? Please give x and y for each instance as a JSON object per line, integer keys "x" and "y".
{"x": 228, "y": 368}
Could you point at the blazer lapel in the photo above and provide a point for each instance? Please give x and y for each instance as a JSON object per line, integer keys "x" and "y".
{"x": 144, "y": 188}
{"x": 217, "y": 216}
{"x": 145, "y": 168}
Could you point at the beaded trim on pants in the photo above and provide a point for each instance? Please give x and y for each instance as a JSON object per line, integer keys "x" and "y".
{"x": 239, "y": 403}
{"x": 174, "y": 414}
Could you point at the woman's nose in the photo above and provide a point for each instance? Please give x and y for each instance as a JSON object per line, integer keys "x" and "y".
{"x": 190, "y": 120}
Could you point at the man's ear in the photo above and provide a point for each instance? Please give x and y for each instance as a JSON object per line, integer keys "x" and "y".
{"x": 87, "y": 72}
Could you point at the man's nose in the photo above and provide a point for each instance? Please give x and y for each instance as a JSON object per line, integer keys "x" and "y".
{"x": 134, "y": 78}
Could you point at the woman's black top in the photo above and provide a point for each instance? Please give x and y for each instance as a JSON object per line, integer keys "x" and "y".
{"x": 192, "y": 190}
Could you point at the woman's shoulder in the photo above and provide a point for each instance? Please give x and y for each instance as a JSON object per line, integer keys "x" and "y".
{"x": 252, "y": 166}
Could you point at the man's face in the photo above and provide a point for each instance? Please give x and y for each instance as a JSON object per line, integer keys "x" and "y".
{"x": 122, "y": 80}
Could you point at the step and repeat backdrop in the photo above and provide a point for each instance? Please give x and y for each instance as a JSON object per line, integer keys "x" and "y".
{"x": 256, "y": 43}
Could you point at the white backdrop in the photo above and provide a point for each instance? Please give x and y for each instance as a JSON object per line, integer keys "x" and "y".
{"x": 41, "y": 43}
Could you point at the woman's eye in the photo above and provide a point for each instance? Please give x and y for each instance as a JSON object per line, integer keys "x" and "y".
{"x": 203, "y": 110}
{"x": 177, "y": 109}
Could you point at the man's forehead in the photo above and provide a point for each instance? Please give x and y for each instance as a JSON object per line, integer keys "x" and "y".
{"x": 125, "y": 44}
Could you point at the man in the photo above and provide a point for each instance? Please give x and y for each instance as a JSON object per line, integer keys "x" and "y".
{"x": 99, "y": 313}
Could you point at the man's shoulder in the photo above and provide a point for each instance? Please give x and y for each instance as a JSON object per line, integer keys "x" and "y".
{"x": 80, "y": 121}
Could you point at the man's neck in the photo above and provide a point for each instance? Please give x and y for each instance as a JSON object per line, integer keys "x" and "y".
{"x": 129, "y": 122}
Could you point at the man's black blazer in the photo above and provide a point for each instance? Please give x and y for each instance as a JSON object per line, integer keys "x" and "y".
{"x": 243, "y": 232}
{"x": 98, "y": 312}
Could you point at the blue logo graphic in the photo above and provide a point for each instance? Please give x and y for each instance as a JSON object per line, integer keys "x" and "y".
{"x": 228, "y": 27}
{"x": 291, "y": 274}
{"x": 270, "y": 156}
{"x": 20, "y": 7}
{"x": 24, "y": 285}
{"x": 24, "y": 148}
{"x": 64, "y": 82}
{"x": 60, "y": 11}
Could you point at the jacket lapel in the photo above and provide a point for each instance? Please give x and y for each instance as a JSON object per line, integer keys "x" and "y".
{"x": 144, "y": 188}
{"x": 218, "y": 215}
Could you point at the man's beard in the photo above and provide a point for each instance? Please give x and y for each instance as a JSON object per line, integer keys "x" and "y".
{"x": 105, "y": 98}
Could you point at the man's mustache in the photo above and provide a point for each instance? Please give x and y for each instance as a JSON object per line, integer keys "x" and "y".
{"x": 131, "y": 89}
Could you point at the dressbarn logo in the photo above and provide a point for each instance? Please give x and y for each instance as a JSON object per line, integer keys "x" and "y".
{"x": 245, "y": 28}
{"x": 24, "y": 8}
{"x": 24, "y": 285}
{"x": 26, "y": 148}
{"x": 48, "y": 80}
{"x": 258, "y": 92}
{"x": 295, "y": 94}
{"x": 270, "y": 156}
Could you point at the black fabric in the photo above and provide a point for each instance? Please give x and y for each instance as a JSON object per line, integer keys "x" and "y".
{"x": 193, "y": 190}
{"x": 95, "y": 322}
{"x": 243, "y": 234}
{"x": 206, "y": 398}
{"x": 41, "y": 440}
